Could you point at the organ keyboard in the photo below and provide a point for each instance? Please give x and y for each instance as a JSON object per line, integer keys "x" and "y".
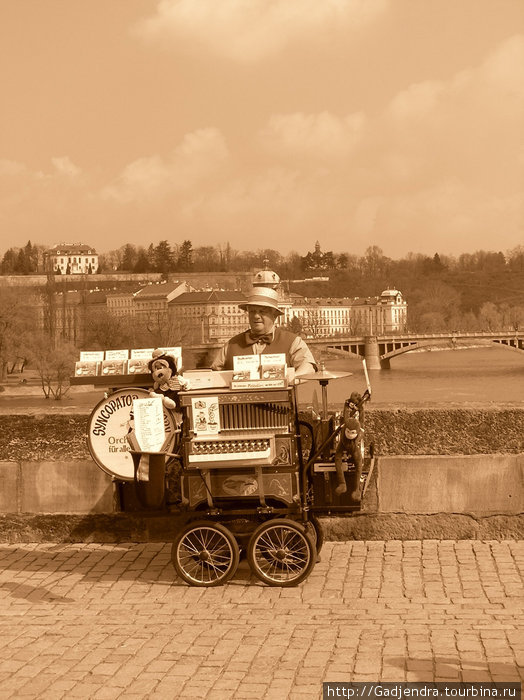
{"x": 225, "y": 428}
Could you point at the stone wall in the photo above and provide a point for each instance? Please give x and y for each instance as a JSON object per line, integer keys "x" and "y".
{"x": 394, "y": 431}
{"x": 443, "y": 431}
{"x": 51, "y": 490}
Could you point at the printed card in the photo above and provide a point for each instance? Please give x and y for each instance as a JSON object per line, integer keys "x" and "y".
{"x": 246, "y": 367}
{"x": 175, "y": 352}
{"x": 110, "y": 367}
{"x": 86, "y": 369}
{"x": 91, "y": 355}
{"x": 273, "y": 366}
{"x": 142, "y": 353}
{"x": 117, "y": 354}
{"x": 137, "y": 366}
{"x": 206, "y": 419}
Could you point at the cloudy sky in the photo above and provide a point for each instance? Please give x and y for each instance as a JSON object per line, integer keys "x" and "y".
{"x": 263, "y": 123}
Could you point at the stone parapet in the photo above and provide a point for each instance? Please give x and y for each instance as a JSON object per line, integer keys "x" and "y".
{"x": 394, "y": 430}
{"x": 452, "y": 473}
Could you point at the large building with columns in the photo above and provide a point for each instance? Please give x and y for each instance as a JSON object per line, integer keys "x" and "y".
{"x": 326, "y": 317}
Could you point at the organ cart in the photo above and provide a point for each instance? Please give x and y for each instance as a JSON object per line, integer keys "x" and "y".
{"x": 255, "y": 472}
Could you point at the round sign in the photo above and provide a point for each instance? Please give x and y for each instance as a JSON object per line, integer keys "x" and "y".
{"x": 108, "y": 426}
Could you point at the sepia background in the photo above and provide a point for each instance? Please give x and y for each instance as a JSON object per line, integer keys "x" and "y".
{"x": 268, "y": 123}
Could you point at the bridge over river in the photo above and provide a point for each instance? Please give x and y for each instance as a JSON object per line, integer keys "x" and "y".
{"x": 378, "y": 350}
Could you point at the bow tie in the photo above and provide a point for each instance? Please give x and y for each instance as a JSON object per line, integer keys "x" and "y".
{"x": 251, "y": 339}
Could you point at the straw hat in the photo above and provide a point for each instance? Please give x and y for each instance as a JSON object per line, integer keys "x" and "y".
{"x": 261, "y": 296}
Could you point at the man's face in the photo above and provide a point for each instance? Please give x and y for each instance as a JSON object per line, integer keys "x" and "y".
{"x": 261, "y": 318}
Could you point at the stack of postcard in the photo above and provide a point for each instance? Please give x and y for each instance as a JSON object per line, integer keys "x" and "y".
{"x": 259, "y": 371}
{"x": 100, "y": 363}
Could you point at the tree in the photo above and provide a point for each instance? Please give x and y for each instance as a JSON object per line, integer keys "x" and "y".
{"x": 9, "y": 261}
{"x": 432, "y": 322}
{"x": 342, "y": 261}
{"x": 437, "y": 265}
{"x": 227, "y": 256}
{"x": 206, "y": 259}
{"x": 317, "y": 260}
{"x": 105, "y": 331}
{"x": 515, "y": 258}
{"x": 295, "y": 325}
{"x": 129, "y": 258}
{"x": 163, "y": 257}
{"x": 490, "y": 317}
{"x": 312, "y": 323}
{"x": 21, "y": 265}
{"x": 374, "y": 262}
{"x": 142, "y": 262}
{"x": 185, "y": 257}
{"x": 31, "y": 256}
{"x": 54, "y": 365}
{"x": 17, "y": 323}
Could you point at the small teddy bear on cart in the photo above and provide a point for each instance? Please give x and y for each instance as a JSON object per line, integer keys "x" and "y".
{"x": 166, "y": 381}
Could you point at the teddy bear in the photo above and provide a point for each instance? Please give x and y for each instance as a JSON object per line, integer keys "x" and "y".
{"x": 166, "y": 382}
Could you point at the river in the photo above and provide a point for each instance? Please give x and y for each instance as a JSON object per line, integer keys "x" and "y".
{"x": 484, "y": 375}
{"x": 463, "y": 375}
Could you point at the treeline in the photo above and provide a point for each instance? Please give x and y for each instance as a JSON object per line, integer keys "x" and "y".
{"x": 483, "y": 290}
{"x": 28, "y": 260}
{"x": 166, "y": 257}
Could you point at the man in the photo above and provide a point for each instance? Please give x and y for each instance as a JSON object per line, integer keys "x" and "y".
{"x": 264, "y": 336}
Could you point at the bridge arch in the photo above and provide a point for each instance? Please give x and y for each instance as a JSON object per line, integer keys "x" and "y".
{"x": 515, "y": 344}
{"x": 378, "y": 351}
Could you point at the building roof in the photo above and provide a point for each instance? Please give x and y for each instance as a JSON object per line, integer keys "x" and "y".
{"x": 390, "y": 293}
{"x": 161, "y": 290}
{"x": 74, "y": 297}
{"x": 211, "y": 297}
{"x": 72, "y": 249}
{"x": 341, "y": 301}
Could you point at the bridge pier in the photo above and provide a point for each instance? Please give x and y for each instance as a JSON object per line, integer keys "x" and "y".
{"x": 372, "y": 354}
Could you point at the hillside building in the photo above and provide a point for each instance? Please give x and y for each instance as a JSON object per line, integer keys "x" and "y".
{"x": 359, "y": 316}
{"x": 209, "y": 317}
{"x": 71, "y": 259}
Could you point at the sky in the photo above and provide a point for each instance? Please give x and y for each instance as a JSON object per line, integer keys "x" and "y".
{"x": 263, "y": 124}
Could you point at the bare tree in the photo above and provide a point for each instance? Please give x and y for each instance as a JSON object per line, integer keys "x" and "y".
{"x": 17, "y": 322}
{"x": 105, "y": 331}
{"x": 54, "y": 365}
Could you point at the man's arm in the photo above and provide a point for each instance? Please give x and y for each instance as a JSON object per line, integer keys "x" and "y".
{"x": 302, "y": 357}
{"x": 219, "y": 360}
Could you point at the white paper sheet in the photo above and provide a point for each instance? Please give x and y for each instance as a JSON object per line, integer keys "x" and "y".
{"x": 149, "y": 424}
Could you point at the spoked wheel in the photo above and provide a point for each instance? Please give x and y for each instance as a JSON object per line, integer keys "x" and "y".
{"x": 281, "y": 553}
{"x": 205, "y": 554}
{"x": 315, "y": 531}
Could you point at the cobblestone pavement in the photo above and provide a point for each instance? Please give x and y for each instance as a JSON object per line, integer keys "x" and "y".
{"x": 112, "y": 621}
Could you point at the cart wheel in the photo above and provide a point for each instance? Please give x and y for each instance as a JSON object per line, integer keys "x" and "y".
{"x": 315, "y": 531}
{"x": 205, "y": 554}
{"x": 281, "y": 553}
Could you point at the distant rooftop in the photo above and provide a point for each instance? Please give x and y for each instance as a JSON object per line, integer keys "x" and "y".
{"x": 72, "y": 249}
{"x": 210, "y": 297}
{"x": 161, "y": 289}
